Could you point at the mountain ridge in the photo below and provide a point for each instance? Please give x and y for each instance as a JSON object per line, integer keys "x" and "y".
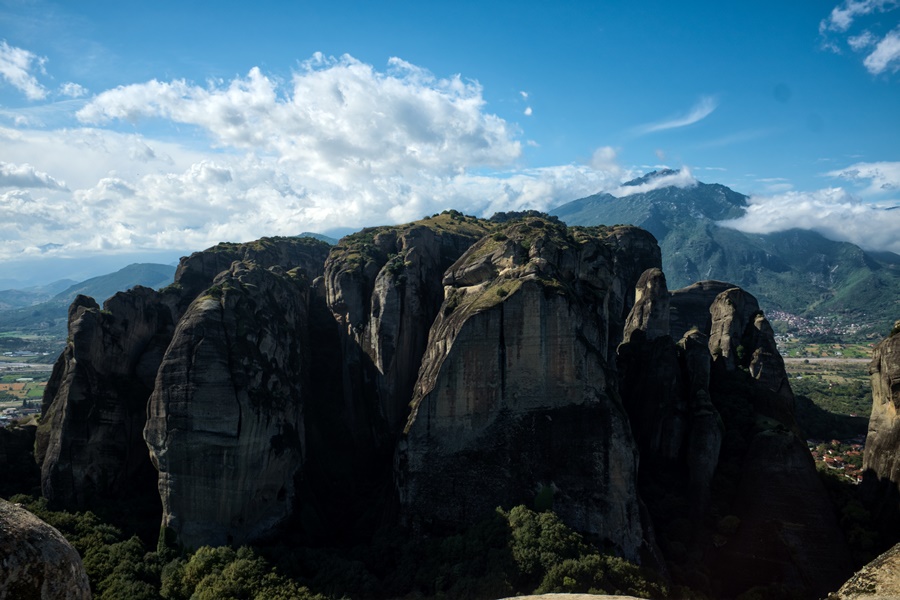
{"x": 796, "y": 271}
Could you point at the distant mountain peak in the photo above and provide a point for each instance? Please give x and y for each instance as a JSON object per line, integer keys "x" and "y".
{"x": 647, "y": 178}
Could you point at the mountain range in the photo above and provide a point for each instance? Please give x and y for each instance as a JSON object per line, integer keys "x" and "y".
{"x": 44, "y": 308}
{"x": 796, "y": 271}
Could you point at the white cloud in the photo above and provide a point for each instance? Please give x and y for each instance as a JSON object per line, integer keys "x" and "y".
{"x": 883, "y": 176}
{"x": 702, "y": 109}
{"x": 681, "y": 178}
{"x": 528, "y": 112}
{"x": 886, "y": 55}
{"x": 833, "y": 212}
{"x": 73, "y": 90}
{"x": 861, "y": 41}
{"x": 339, "y": 116}
{"x": 16, "y": 66}
{"x": 26, "y": 176}
{"x": 843, "y": 15}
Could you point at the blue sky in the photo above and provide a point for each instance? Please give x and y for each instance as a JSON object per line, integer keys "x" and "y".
{"x": 139, "y": 128}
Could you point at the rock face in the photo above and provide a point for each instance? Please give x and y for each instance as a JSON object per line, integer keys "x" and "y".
{"x": 90, "y": 442}
{"x": 516, "y": 397}
{"x": 882, "y": 453}
{"x": 665, "y": 388}
{"x": 878, "y": 580}
{"x": 37, "y": 561}
{"x": 384, "y": 289}
{"x": 225, "y": 426}
{"x": 713, "y": 419}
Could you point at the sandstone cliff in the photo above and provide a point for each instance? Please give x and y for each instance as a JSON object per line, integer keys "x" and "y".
{"x": 37, "y": 561}
{"x": 225, "y": 426}
{"x": 882, "y": 453}
{"x": 878, "y": 580}
{"x": 90, "y": 440}
{"x": 516, "y": 396}
{"x": 383, "y": 286}
{"x": 714, "y": 421}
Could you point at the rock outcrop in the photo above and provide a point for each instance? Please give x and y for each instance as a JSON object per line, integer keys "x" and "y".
{"x": 90, "y": 443}
{"x": 516, "y": 397}
{"x": 878, "y": 580}
{"x": 225, "y": 426}
{"x": 882, "y": 453}
{"x": 383, "y": 286}
{"x": 36, "y": 561}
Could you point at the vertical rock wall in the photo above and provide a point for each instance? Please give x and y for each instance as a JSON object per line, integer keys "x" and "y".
{"x": 516, "y": 397}
{"x": 225, "y": 427}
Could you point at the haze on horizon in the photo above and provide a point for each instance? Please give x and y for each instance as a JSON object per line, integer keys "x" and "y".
{"x": 154, "y": 130}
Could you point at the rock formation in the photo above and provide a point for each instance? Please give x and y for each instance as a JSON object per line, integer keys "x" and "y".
{"x": 516, "y": 396}
{"x": 36, "y": 561}
{"x": 225, "y": 426}
{"x": 383, "y": 286}
{"x": 665, "y": 388}
{"x": 882, "y": 453}
{"x": 878, "y": 580}
{"x": 90, "y": 441}
{"x": 881, "y": 458}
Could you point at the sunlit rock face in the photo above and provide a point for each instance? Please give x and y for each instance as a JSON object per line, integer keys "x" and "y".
{"x": 37, "y": 561}
{"x": 882, "y": 454}
{"x": 516, "y": 397}
{"x": 225, "y": 426}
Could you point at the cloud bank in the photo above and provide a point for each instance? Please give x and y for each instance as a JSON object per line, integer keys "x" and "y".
{"x": 340, "y": 144}
{"x": 833, "y": 212}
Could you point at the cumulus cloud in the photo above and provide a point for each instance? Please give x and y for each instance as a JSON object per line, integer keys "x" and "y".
{"x": 886, "y": 55}
{"x": 833, "y": 212}
{"x": 702, "y": 109}
{"x": 17, "y": 66}
{"x": 882, "y": 176}
{"x": 72, "y": 90}
{"x": 26, "y": 176}
{"x": 338, "y": 115}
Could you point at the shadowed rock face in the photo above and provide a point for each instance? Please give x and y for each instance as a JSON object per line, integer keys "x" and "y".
{"x": 515, "y": 394}
{"x": 90, "y": 442}
{"x": 225, "y": 427}
{"x": 37, "y": 561}
{"x": 383, "y": 286}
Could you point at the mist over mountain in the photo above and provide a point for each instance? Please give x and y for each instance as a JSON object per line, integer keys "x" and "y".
{"x": 798, "y": 271}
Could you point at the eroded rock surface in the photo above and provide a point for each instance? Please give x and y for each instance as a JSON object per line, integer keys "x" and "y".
{"x": 225, "y": 427}
{"x": 36, "y": 561}
{"x": 882, "y": 453}
{"x": 516, "y": 396}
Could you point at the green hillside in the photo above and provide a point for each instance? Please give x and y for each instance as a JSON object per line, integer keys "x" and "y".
{"x": 796, "y": 271}
{"x": 49, "y": 317}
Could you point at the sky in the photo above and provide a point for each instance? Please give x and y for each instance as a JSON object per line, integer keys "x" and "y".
{"x": 144, "y": 131}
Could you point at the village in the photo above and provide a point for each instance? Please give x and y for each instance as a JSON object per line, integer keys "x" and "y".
{"x": 842, "y": 456}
